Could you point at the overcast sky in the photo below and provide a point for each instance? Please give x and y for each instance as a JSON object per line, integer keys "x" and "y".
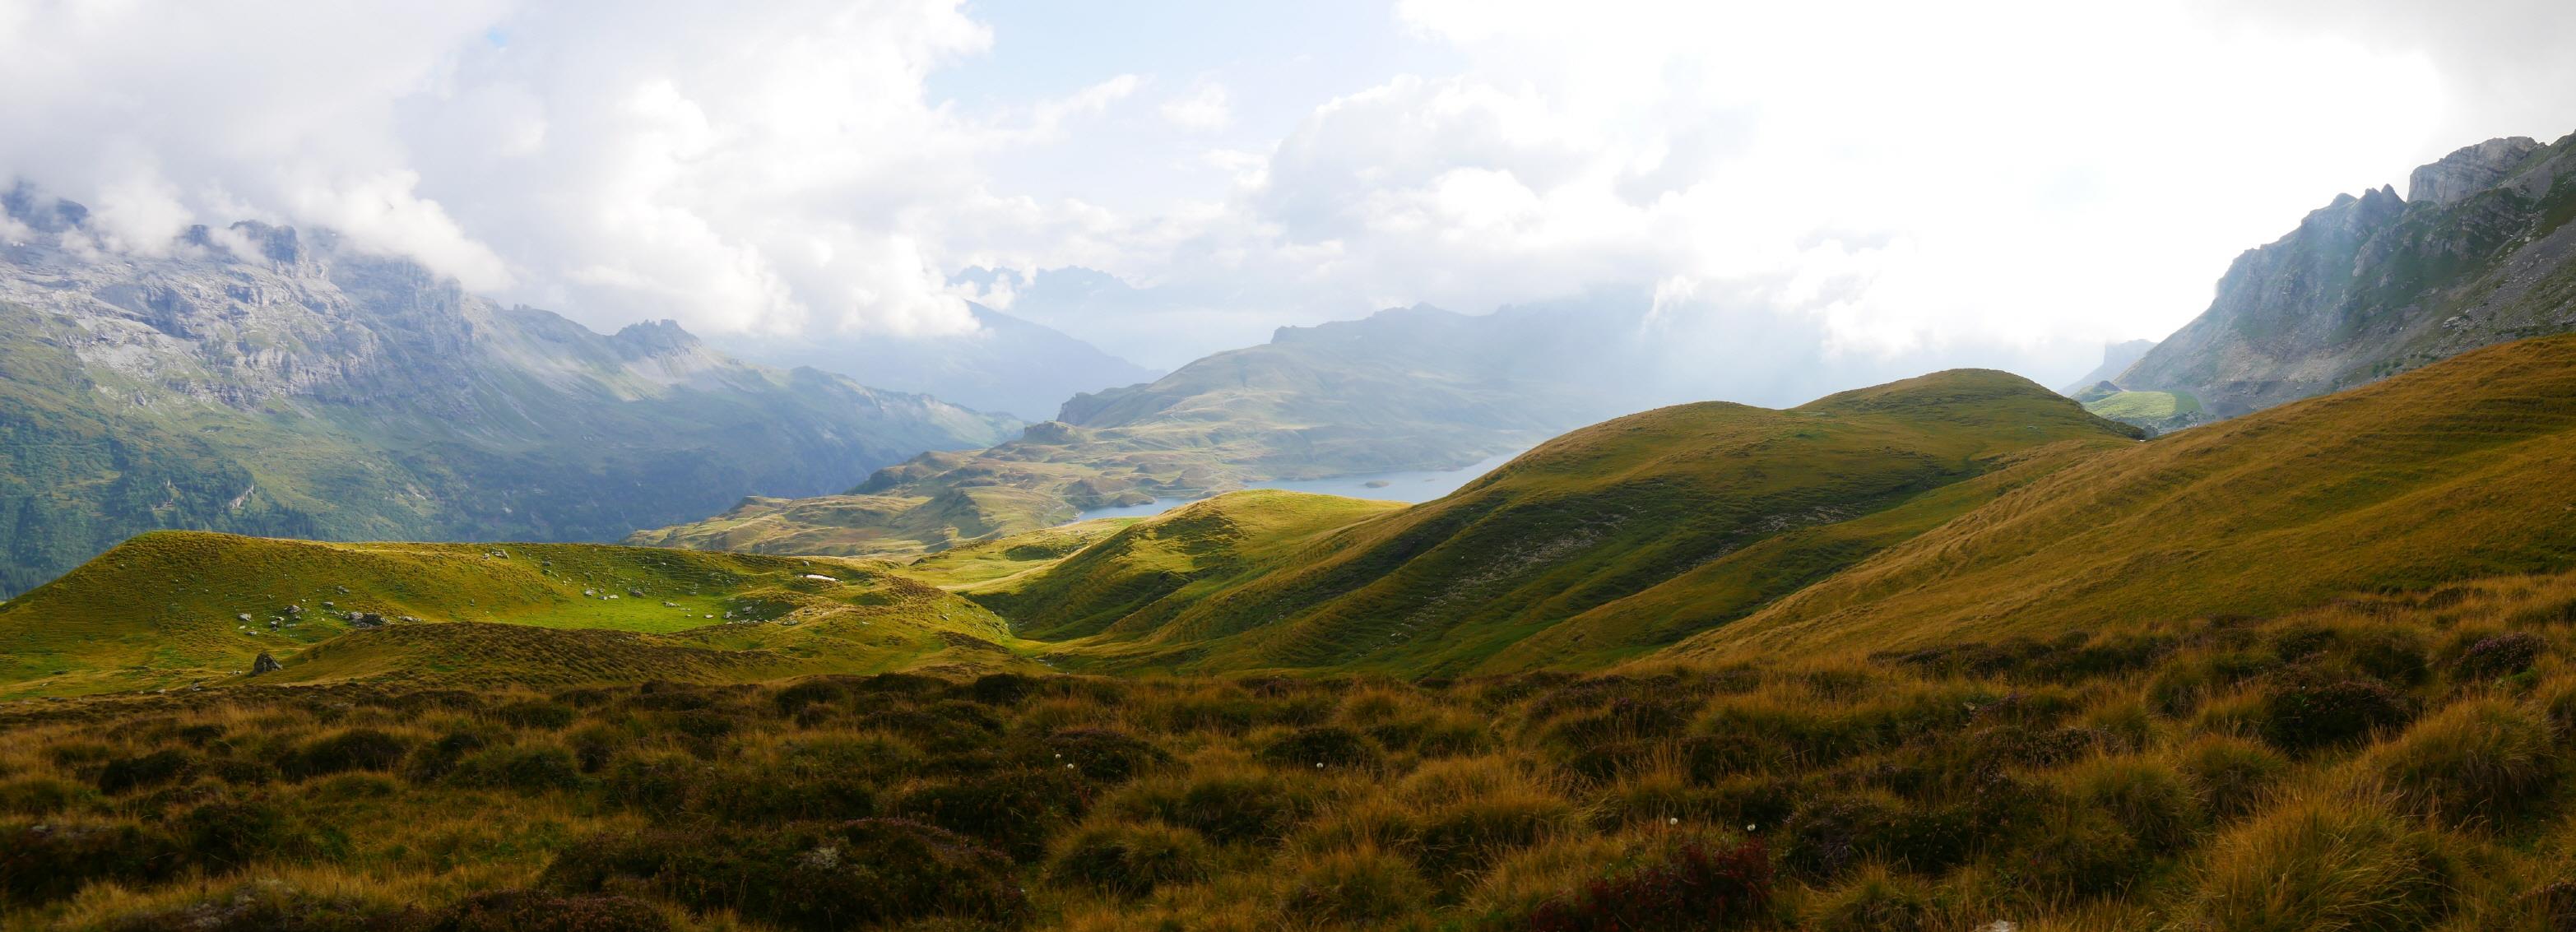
{"x": 2007, "y": 179}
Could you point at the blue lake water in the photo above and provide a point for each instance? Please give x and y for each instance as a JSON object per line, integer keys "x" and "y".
{"x": 1413, "y": 486}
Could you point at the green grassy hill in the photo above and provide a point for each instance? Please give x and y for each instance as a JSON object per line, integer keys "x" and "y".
{"x": 177, "y": 607}
{"x": 1604, "y": 543}
{"x": 2456, "y": 471}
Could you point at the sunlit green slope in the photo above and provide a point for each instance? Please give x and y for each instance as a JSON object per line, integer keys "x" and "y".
{"x": 172, "y": 608}
{"x": 2463, "y": 469}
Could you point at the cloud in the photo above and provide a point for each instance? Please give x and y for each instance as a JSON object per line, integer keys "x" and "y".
{"x": 1884, "y": 179}
{"x": 1204, "y": 110}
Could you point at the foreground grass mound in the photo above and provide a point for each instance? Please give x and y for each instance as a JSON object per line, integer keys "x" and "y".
{"x": 2143, "y": 780}
{"x": 173, "y": 608}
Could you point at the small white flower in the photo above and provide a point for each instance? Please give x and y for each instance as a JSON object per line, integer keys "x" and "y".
{"x": 1676, "y": 820}
{"x": 1319, "y": 765}
{"x": 1748, "y": 826}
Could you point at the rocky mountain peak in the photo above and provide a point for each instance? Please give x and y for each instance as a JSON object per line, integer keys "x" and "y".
{"x": 655, "y": 338}
{"x": 2468, "y": 171}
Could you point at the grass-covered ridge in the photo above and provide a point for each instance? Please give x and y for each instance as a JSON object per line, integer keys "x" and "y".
{"x": 168, "y": 609}
{"x": 1599, "y": 545}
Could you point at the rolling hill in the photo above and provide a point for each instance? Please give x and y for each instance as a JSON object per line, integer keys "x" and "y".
{"x": 1604, "y": 543}
{"x": 1007, "y": 365}
{"x": 264, "y": 380}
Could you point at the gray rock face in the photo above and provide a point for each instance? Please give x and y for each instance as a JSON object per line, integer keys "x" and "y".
{"x": 265, "y": 664}
{"x": 2469, "y": 170}
{"x": 2371, "y": 286}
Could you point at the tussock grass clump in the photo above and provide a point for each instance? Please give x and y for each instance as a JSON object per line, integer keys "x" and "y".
{"x": 1358, "y": 886}
{"x": 352, "y": 749}
{"x": 1227, "y": 802}
{"x": 1131, "y": 859}
{"x": 2322, "y": 863}
{"x": 43, "y": 863}
{"x": 1878, "y": 901}
{"x": 2308, "y": 713}
{"x": 2484, "y": 762}
{"x": 2231, "y": 776}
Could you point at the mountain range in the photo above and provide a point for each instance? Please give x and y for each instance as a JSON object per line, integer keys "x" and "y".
{"x": 259, "y": 379}
{"x": 2477, "y": 252}
{"x": 1006, "y": 364}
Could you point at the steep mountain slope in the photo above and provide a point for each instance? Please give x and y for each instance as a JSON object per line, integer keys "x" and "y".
{"x": 1404, "y": 389}
{"x": 1605, "y": 542}
{"x": 174, "y": 607}
{"x": 1009, "y": 365}
{"x": 2479, "y": 252}
{"x": 264, "y": 381}
{"x": 2452, "y": 472}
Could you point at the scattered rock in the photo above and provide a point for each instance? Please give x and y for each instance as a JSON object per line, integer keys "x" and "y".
{"x": 638, "y": 593}
{"x": 245, "y": 617}
{"x": 818, "y": 577}
{"x": 295, "y": 609}
{"x": 670, "y": 604}
{"x": 265, "y": 664}
{"x": 587, "y": 593}
{"x": 364, "y": 620}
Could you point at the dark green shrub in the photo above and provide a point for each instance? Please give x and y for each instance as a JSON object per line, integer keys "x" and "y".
{"x": 819, "y": 877}
{"x": 535, "y": 911}
{"x": 43, "y": 863}
{"x": 1131, "y": 859}
{"x": 1002, "y": 689}
{"x": 266, "y": 908}
{"x": 2231, "y": 777}
{"x": 1833, "y": 834}
{"x": 1697, "y": 886}
{"x": 435, "y": 760}
{"x": 772, "y": 795}
{"x": 1014, "y": 811}
{"x": 37, "y": 796}
{"x": 354, "y": 749}
{"x": 526, "y": 768}
{"x": 226, "y": 835}
{"x": 657, "y": 783}
{"x": 1227, "y": 806}
{"x": 1327, "y": 745}
{"x": 1099, "y": 754}
{"x": 822, "y": 692}
{"x": 2302, "y": 714}
{"x": 545, "y": 715}
{"x": 126, "y": 774}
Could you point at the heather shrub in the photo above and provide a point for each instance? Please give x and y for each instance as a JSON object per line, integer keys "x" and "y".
{"x": 1099, "y": 754}
{"x": 1012, "y": 810}
{"x": 1877, "y": 901}
{"x": 127, "y": 774}
{"x": 225, "y": 834}
{"x": 1227, "y": 804}
{"x": 537, "y": 911}
{"x": 1322, "y": 746}
{"x": 2499, "y": 655}
{"x": 43, "y": 863}
{"x": 354, "y": 749}
{"x": 2303, "y": 714}
{"x": 38, "y": 795}
{"x": 807, "y": 876}
{"x": 1696, "y": 886}
{"x": 526, "y": 768}
{"x": 541, "y": 715}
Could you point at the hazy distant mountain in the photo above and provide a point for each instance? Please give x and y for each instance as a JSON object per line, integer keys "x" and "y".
{"x": 262, "y": 380}
{"x": 2478, "y": 252}
{"x": 1012, "y": 365}
{"x": 2116, "y": 358}
{"x": 1403, "y": 389}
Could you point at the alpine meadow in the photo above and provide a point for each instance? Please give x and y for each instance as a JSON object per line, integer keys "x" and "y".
{"x": 947, "y": 466}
